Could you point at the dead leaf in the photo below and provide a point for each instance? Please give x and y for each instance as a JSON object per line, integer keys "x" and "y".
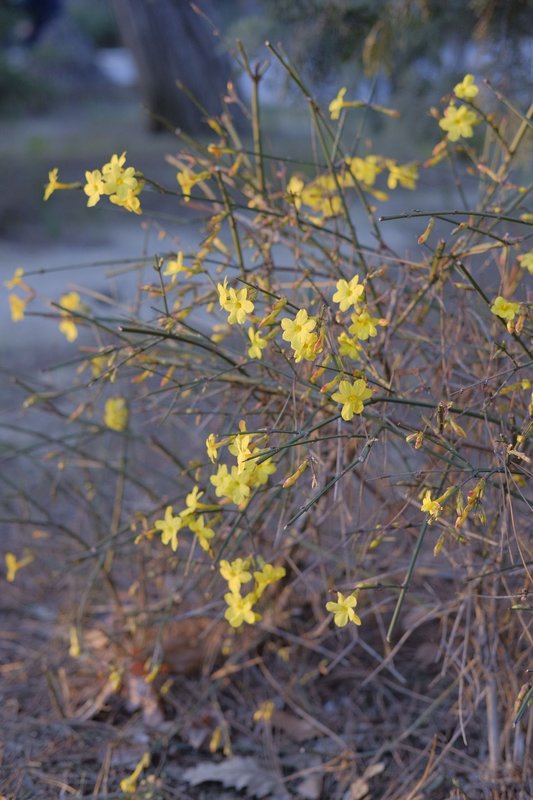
{"x": 297, "y": 729}
{"x": 360, "y": 789}
{"x": 238, "y": 773}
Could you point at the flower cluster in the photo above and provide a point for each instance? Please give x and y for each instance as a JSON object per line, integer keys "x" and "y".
{"x": 240, "y": 608}
{"x": 121, "y": 184}
{"x": 301, "y": 335}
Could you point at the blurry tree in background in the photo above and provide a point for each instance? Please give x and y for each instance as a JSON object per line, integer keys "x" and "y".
{"x": 172, "y": 41}
{"x": 413, "y": 44}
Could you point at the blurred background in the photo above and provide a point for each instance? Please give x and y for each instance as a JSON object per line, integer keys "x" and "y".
{"x": 81, "y": 79}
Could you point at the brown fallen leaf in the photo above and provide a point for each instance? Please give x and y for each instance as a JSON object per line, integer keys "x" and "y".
{"x": 297, "y": 729}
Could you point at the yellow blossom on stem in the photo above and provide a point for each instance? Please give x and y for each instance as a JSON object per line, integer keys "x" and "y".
{"x": 526, "y": 261}
{"x": 121, "y": 183}
{"x": 175, "y": 265}
{"x": 169, "y": 527}
{"x": 203, "y": 532}
{"x": 129, "y": 785}
{"x": 257, "y": 344}
{"x": 54, "y": 185}
{"x": 69, "y": 330}
{"x": 67, "y": 326}
{"x": 16, "y": 280}
{"x": 264, "y": 711}
{"x": 236, "y": 573}
{"x": 431, "y": 507}
{"x": 349, "y": 347}
{"x": 187, "y": 179}
{"x": 242, "y": 450}
{"x": 297, "y": 331}
{"x": 192, "y": 502}
{"x": 238, "y": 306}
{"x": 343, "y": 610}
{"x": 364, "y": 170}
{"x": 94, "y": 187}
{"x": 17, "y": 306}
{"x": 363, "y": 325}
{"x": 268, "y": 575}
{"x": 13, "y": 565}
{"x": 467, "y": 89}
{"x": 505, "y": 309}
{"x": 294, "y": 189}
{"x": 404, "y": 174}
{"x": 337, "y": 104}
{"x": 240, "y": 609}
{"x": 212, "y": 446}
{"x": 459, "y": 122}
{"x": 116, "y": 413}
{"x": 352, "y": 396}
{"x": 348, "y": 293}
{"x": 257, "y": 474}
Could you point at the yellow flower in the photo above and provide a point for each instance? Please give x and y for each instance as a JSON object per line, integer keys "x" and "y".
{"x": 257, "y": 344}
{"x": 431, "y": 507}
{"x": 94, "y": 187}
{"x": 338, "y": 103}
{"x": 129, "y": 785}
{"x": 175, "y": 266}
{"x": 212, "y": 447}
{"x": 404, "y": 174}
{"x": 525, "y": 261}
{"x": 505, "y": 309}
{"x": 203, "y": 532}
{"x": 348, "y": 293}
{"x": 343, "y": 610}
{"x": 458, "y": 122}
{"x": 69, "y": 330}
{"x": 352, "y": 396}
{"x": 16, "y": 280}
{"x": 240, "y": 609}
{"x": 116, "y": 413}
{"x": 294, "y": 189}
{"x": 121, "y": 184}
{"x": 236, "y": 573}
{"x": 69, "y": 302}
{"x": 233, "y": 485}
{"x": 13, "y": 565}
{"x": 363, "y": 325}
{"x": 238, "y": 306}
{"x": 264, "y": 711}
{"x": 17, "y": 307}
{"x": 222, "y": 289}
{"x": 349, "y": 347}
{"x": 268, "y": 575}
{"x": 242, "y": 450}
{"x": 364, "y": 170}
{"x": 192, "y": 502}
{"x": 467, "y": 89}
{"x": 187, "y": 179}
{"x": 169, "y": 527}
{"x": 53, "y": 184}
{"x": 297, "y": 331}
{"x": 257, "y": 474}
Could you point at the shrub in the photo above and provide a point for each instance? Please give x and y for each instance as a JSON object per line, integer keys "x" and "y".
{"x": 316, "y": 440}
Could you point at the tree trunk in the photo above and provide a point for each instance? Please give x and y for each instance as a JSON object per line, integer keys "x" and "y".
{"x": 169, "y": 43}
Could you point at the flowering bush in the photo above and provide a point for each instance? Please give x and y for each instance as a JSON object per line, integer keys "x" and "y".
{"x": 364, "y": 419}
